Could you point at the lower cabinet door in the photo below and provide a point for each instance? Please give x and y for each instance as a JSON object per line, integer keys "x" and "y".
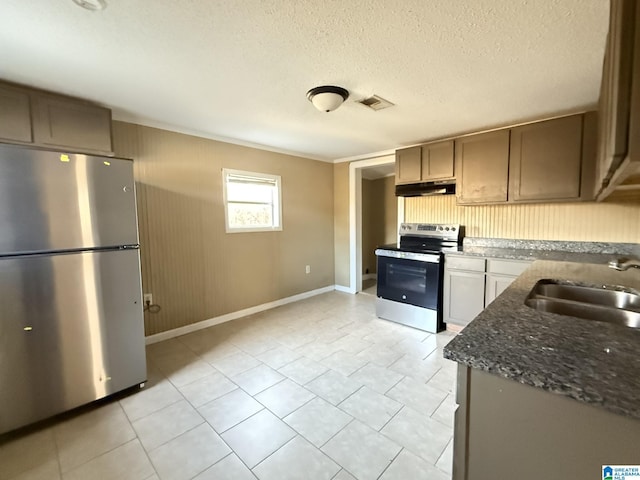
{"x": 496, "y": 284}
{"x": 463, "y": 296}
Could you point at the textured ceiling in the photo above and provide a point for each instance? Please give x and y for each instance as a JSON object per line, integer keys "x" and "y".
{"x": 238, "y": 70}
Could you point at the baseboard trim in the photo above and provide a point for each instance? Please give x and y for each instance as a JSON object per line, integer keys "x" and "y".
{"x": 368, "y": 276}
{"x": 176, "y": 332}
{"x": 454, "y": 328}
{"x": 341, "y": 288}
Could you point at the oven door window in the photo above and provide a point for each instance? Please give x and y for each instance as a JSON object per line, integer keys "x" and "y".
{"x": 409, "y": 281}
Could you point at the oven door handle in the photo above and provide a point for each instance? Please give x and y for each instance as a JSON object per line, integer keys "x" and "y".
{"x": 420, "y": 257}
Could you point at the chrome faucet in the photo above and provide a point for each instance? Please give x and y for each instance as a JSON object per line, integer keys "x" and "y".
{"x": 623, "y": 264}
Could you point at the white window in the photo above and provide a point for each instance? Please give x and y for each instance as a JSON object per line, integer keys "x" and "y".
{"x": 252, "y": 201}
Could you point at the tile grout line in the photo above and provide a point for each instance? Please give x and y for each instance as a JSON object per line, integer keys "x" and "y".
{"x": 62, "y": 474}
{"x": 303, "y": 385}
{"x": 272, "y": 453}
{"x": 97, "y": 408}
{"x": 439, "y": 405}
{"x": 335, "y": 434}
{"x": 433, "y": 375}
{"x": 295, "y": 410}
{"x": 357, "y": 370}
{"x": 219, "y": 435}
{"x": 394, "y": 386}
{"x": 347, "y": 398}
{"x": 345, "y": 330}
{"x": 231, "y": 452}
{"x": 442, "y": 453}
{"x": 55, "y": 442}
{"x": 236, "y": 424}
{"x": 252, "y": 395}
{"x": 131, "y": 422}
{"x": 390, "y": 463}
{"x": 392, "y": 417}
{"x": 148, "y": 452}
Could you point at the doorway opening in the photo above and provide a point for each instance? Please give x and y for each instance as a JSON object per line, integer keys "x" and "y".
{"x": 374, "y": 216}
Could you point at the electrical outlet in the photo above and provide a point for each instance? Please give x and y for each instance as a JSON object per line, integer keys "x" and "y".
{"x": 148, "y": 299}
{"x": 307, "y": 269}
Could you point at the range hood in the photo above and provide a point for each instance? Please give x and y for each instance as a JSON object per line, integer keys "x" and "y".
{"x": 425, "y": 188}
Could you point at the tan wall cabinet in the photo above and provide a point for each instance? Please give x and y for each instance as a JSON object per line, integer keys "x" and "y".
{"x": 408, "y": 165}
{"x": 545, "y": 160}
{"x": 63, "y": 122}
{"x": 550, "y": 160}
{"x": 46, "y": 120}
{"x": 482, "y": 168}
{"x": 437, "y": 161}
{"x": 425, "y": 163}
{"x": 15, "y": 114}
{"x": 471, "y": 283}
{"x": 618, "y": 165}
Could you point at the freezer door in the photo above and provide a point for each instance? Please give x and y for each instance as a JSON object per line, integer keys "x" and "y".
{"x": 71, "y": 331}
{"x": 56, "y": 201}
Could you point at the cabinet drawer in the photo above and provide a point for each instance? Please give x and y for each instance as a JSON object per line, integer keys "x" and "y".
{"x": 473, "y": 264}
{"x": 507, "y": 267}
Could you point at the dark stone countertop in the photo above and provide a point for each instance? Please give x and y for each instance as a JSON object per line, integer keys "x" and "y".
{"x": 522, "y": 254}
{"x": 597, "y": 363}
{"x": 569, "y": 251}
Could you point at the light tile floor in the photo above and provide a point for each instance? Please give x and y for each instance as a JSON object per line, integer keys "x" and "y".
{"x": 369, "y": 286}
{"x": 318, "y": 389}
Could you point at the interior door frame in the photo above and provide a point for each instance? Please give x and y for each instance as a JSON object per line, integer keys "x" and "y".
{"x": 355, "y": 216}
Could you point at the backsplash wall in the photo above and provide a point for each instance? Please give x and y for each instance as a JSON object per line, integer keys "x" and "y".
{"x": 588, "y": 221}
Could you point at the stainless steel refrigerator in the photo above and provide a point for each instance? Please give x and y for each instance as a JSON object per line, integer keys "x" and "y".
{"x": 71, "y": 322}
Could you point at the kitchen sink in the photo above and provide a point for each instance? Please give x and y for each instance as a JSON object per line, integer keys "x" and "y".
{"x": 604, "y": 304}
{"x": 587, "y": 294}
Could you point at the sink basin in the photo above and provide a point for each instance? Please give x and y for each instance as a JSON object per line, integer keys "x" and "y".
{"x": 587, "y": 294}
{"x": 587, "y": 302}
{"x": 586, "y": 311}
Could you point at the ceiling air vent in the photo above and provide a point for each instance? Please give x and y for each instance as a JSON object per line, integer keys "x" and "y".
{"x": 376, "y": 103}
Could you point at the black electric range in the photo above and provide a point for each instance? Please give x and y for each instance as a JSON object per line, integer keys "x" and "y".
{"x": 410, "y": 274}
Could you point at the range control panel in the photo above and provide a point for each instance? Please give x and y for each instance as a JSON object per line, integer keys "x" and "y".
{"x": 430, "y": 229}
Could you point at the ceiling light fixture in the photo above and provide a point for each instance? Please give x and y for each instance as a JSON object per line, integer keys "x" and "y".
{"x": 327, "y": 98}
{"x": 91, "y": 4}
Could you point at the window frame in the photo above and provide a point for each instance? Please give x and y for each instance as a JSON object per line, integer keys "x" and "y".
{"x": 277, "y": 209}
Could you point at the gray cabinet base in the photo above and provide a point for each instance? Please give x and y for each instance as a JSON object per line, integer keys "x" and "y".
{"x": 528, "y": 433}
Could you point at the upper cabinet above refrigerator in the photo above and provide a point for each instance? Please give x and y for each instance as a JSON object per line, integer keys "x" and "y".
{"x": 42, "y": 119}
